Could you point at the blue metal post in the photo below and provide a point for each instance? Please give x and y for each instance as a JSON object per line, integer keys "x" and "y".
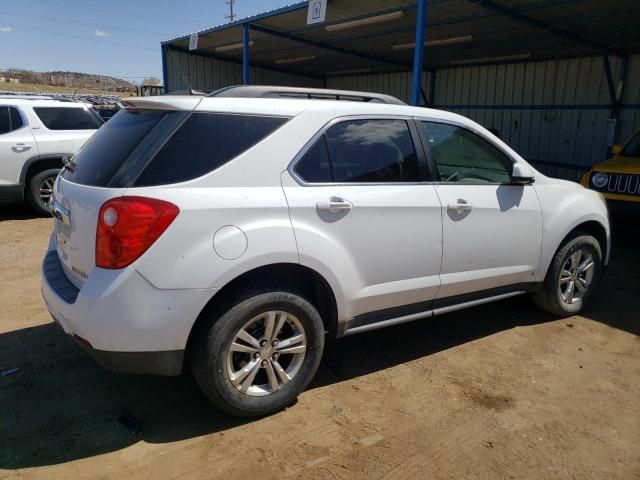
{"x": 418, "y": 52}
{"x": 165, "y": 72}
{"x": 246, "y": 64}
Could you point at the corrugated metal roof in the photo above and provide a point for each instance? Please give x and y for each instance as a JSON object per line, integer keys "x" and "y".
{"x": 488, "y": 31}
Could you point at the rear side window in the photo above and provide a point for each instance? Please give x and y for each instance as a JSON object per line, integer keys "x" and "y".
{"x": 205, "y": 142}
{"x": 106, "y": 151}
{"x": 61, "y": 118}
{"x": 10, "y": 119}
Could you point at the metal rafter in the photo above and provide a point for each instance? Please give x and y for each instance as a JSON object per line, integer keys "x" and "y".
{"x": 515, "y": 14}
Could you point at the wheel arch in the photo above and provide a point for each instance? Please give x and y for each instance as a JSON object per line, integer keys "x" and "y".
{"x": 38, "y": 164}
{"x": 592, "y": 227}
{"x": 311, "y": 284}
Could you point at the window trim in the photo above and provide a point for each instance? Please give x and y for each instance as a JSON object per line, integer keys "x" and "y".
{"x": 25, "y": 122}
{"x": 433, "y": 167}
{"x": 414, "y": 133}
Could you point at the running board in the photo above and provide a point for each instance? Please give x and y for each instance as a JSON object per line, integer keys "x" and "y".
{"x": 427, "y": 313}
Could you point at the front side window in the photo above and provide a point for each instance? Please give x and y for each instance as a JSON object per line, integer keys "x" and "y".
{"x": 362, "y": 151}
{"x": 67, "y": 118}
{"x": 463, "y": 156}
{"x": 5, "y": 120}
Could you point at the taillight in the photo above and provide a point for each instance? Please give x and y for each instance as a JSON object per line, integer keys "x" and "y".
{"x": 128, "y": 226}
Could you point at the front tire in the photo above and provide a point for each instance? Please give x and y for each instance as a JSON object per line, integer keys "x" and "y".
{"x": 572, "y": 277}
{"x": 259, "y": 355}
{"x": 40, "y": 189}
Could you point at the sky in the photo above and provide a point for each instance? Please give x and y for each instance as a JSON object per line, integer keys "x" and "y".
{"x": 119, "y": 38}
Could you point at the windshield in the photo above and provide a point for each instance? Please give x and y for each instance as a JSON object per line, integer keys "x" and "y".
{"x": 632, "y": 149}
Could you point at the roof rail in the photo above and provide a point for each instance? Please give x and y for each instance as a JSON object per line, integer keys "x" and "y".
{"x": 19, "y": 96}
{"x": 264, "y": 91}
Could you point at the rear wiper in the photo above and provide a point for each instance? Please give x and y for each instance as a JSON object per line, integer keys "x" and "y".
{"x": 68, "y": 163}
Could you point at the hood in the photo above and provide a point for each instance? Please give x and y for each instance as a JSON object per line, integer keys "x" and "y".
{"x": 619, "y": 164}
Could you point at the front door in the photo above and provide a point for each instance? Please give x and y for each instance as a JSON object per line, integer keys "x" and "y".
{"x": 492, "y": 229}
{"x": 17, "y": 145}
{"x": 362, "y": 215}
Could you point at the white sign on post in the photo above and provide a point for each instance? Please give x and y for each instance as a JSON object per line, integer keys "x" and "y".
{"x": 317, "y": 11}
{"x": 193, "y": 41}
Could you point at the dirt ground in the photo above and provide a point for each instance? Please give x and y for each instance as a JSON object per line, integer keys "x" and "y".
{"x": 498, "y": 391}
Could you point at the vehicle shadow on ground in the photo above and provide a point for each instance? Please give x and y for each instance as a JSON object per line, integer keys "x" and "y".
{"x": 61, "y": 406}
{"x": 17, "y": 211}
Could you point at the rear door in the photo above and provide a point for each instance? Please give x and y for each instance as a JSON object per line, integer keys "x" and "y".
{"x": 63, "y": 130}
{"x": 364, "y": 216}
{"x": 17, "y": 144}
{"x": 492, "y": 229}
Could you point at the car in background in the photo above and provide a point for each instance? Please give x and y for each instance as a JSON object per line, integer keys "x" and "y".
{"x": 36, "y": 133}
{"x": 618, "y": 178}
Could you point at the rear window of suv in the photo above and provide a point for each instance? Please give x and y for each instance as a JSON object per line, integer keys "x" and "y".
{"x": 160, "y": 147}
{"x": 66, "y": 118}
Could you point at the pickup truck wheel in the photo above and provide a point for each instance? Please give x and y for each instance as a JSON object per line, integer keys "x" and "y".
{"x": 258, "y": 356}
{"x": 40, "y": 190}
{"x": 572, "y": 277}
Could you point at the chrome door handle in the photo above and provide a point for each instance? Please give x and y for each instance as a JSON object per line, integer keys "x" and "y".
{"x": 334, "y": 205}
{"x": 460, "y": 207}
{"x": 20, "y": 147}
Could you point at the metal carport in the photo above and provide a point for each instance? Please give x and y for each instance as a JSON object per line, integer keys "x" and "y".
{"x": 549, "y": 75}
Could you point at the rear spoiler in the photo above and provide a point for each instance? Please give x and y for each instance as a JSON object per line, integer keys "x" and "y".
{"x": 186, "y": 103}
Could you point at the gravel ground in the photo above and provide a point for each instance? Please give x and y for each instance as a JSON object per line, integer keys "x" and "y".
{"x": 497, "y": 391}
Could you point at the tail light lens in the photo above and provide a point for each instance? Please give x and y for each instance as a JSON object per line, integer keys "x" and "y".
{"x": 128, "y": 226}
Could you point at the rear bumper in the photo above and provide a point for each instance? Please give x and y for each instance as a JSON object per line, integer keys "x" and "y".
{"x": 167, "y": 363}
{"x": 128, "y": 324}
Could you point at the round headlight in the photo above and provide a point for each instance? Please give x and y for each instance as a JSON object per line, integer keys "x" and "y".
{"x": 599, "y": 179}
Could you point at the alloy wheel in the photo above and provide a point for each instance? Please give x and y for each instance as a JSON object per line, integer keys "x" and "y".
{"x": 45, "y": 189}
{"x": 266, "y": 353}
{"x": 576, "y": 276}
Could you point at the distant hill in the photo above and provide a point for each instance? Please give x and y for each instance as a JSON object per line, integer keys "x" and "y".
{"x": 68, "y": 80}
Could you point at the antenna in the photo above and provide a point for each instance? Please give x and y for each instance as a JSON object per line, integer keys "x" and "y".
{"x": 231, "y": 16}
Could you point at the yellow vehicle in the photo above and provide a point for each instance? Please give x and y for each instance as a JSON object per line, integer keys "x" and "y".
{"x": 618, "y": 178}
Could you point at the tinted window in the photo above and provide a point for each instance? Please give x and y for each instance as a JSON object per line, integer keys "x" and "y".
{"x": 61, "y": 118}
{"x": 314, "y": 166}
{"x": 462, "y": 156}
{"x": 203, "y": 143}
{"x": 372, "y": 151}
{"x": 5, "y": 123}
{"x": 106, "y": 151}
{"x": 16, "y": 119}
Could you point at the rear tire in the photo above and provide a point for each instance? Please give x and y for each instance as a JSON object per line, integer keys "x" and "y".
{"x": 40, "y": 189}
{"x": 241, "y": 359}
{"x": 572, "y": 276}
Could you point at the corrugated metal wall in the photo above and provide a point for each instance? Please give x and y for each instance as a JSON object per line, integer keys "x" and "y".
{"x": 209, "y": 74}
{"x": 554, "y": 113}
{"x": 396, "y": 84}
{"x": 551, "y": 112}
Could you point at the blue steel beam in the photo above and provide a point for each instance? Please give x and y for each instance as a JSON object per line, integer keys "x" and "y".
{"x": 418, "y": 52}
{"x": 246, "y": 61}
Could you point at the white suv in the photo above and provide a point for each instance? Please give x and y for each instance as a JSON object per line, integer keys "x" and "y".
{"x": 229, "y": 235}
{"x": 36, "y": 132}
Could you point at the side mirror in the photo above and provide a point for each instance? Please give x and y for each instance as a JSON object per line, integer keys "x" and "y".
{"x": 616, "y": 149}
{"x": 522, "y": 174}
